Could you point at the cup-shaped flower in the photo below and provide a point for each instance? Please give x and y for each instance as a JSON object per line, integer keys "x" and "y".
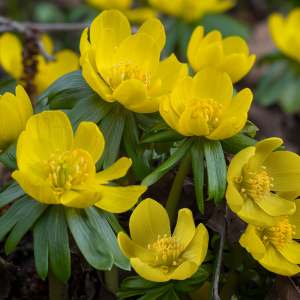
{"x": 252, "y": 176}
{"x": 155, "y": 253}
{"x": 128, "y": 65}
{"x": 203, "y": 106}
{"x": 192, "y": 10}
{"x": 286, "y": 33}
{"x": 15, "y": 110}
{"x": 274, "y": 247}
{"x": 47, "y": 72}
{"x": 56, "y": 168}
{"x": 230, "y": 55}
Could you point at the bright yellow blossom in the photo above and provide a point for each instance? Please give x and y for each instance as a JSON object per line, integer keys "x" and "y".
{"x": 11, "y": 60}
{"x": 230, "y": 55}
{"x": 192, "y": 10}
{"x": 274, "y": 247}
{"x": 14, "y": 114}
{"x": 56, "y": 168}
{"x": 134, "y": 15}
{"x": 128, "y": 65}
{"x": 286, "y": 33}
{"x": 252, "y": 176}
{"x": 203, "y": 106}
{"x": 155, "y": 253}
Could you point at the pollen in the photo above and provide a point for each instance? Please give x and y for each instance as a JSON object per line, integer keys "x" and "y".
{"x": 167, "y": 251}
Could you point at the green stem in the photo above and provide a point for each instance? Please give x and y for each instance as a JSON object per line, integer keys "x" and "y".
{"x": 112, "y": 280}
{"x": 56, "y": 287}
{"x": 175, "y": 193}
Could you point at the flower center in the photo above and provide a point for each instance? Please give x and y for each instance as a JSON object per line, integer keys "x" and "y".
{"x": 166, "y": 251}
{"x": 278, "y": 235}
{"x": 256, "y": 184}
{"x": 210, "y": 110}
{"x": 67, "y": 171}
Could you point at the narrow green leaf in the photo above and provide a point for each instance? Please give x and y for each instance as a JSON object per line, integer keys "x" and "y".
{"x": 250, "y": 128}
{"x": 170, "y": 295}
{"x": 13, "y": 192}
{"x": 89, "y": 240}
{"x": 163, "y": 147}
{"x": 168, "y": 164}
{"x": 112, "y": 220}
{"x": 140, "y": 283}
{"x": 216, "y": 170}
{"x": 140, "y": 165}
{"x": 167, "y": 135}
{"x": 290, "y": 97}
{"x": 197, "y": 152}
{"x": 237, "y": 143}
{"x": 8, "y": 157}
{"x": 156, "y": 292}
{"x": 146, "y": 121}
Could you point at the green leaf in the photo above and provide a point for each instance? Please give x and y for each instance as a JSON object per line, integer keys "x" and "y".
{"x": 155, "y": 293}
{"x": 198, "y": 170}
{"x": 170, "y": 295}
{"x": 168, "y": 164}
{"x": 250, "y": 128}
{"x": 140, "y": 165}
{"x": 13, "y": 192}
{"x": 112, "y": 220}
{"x": 112, "y": 127}
{"x": 237, "y": 143}
{"x": 7, "y": 84}
{"x": 8, "y": 157}
{"x": 290, "y": 97}
{"x": 167, "y": 135}
{"x": 90, "y": 241}
{"x": 146, "y": 121}
{"x": 21, "y": 216}
{"x": 50, "y": 232}
{"x": 216, "y": 170}
{"x": 150, "y": 294}
{"x": 171, "y": 35}
{"x": 120, "y": 260}
{"x": 184, "y": 32}
{"x": 163, "y": 147}
{"x": 140, "y": 283}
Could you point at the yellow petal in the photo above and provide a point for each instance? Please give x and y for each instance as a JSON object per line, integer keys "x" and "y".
{"x": 289, "y": 195}
{"x": 35, "y": 187}
{"x": 110, "y": 19}
{"x": 221, "y": 6}
{"x": 185, "y": 227}
{"x": 150, "y": 273}
{"x": 291, "y": 252}
{"x": 48, "y": 44}
{"x": 109, "y": 4}
{"x": 295, "y": 219}
{"x": 235, "y": 44}
{"x": 197, "y": 248}
{"x": 139, "y": 15}
{"x": 84, "y": 42}
{"x": 234, "y": 198}
{"x": 275, "y": 262}
{"x": 284, "y": 167}
{"x": 116, "y": 171}
{"x": 118, "y": 199}
{"x": 131, "y": 249}
{"x": 156, "y": 30}
{"x": 89, "y": 138}
{"x": 252, "y": 243}
{"x": 276, "y": 24}
{"x": 184, "y": 271}
{"x": 193, "y": 46}
{"x": 147, "y": 222}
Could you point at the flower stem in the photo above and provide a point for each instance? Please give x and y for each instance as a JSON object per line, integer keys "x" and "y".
{"x": 175, "y": 193}
{"x": 56, "y": 287}
{"x": 112, "y": 280}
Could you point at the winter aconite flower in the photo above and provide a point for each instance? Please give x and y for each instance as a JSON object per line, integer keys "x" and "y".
{"x": 155, "y": 253}
{"x": 252, "y": 176}
{"x": 47, "y": 72}
{"x": 230, "y": 55}
{"x": 14, "y": 114}
{"x": 286, "y": 33}
{"x": 56, "y": 168}
{"x": 274, "y": 247}
{"x": 192, "y": 10}
{"x": 126, "y": 68}
{"x": 203, "y": 106}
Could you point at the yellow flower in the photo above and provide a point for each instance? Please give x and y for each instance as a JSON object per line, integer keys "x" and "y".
{"x": 203, "y": 106}
{"x": 14, "y": 114}
{"x": 157, "y": 255}
{"x": 56, "y": 168}
{"x": 274, "y": 247}
{"x": 129, "y": 66}
{"x": 286, "y": 33}
{"x": 256, "y": 171}
{"x": 230, "y": 55}
{"x": 191, "y": 10}
{"x": 135, "y": 16}
{"x": 11, "y": 60}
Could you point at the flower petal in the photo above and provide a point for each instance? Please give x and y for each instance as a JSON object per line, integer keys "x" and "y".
{"x": 139, "y": 15}
{"x": 291, "y": 252}
{"x": 147, "y": 222}
{"x": 89, "y": 138}
{"x": 289, "y": 195}
{"x": 184, "y": 271}
{"x": 197, "y": 248}
{"x": 193, "y": 46}
{"x": 235, "y": 44}
{"x": 276, "y": 24}
{"x": 233, "y": 197}
{"x": 295, "y": 219}
{"x": 84, "y": 42}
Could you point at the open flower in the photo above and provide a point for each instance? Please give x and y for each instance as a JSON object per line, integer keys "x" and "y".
{"x": 14, "y": 114}
{"x": 230, "y": 55}
{"x": 47, "y": 72}
{"x": 286, "y": 33}
{"x": 56, "y": 168}
{"x": 192, "y": 10}
{"x": 129, "y": 66}
{"x": 203, "y": 106}
{"x": 252, "y": 176}
{"x": 157, "y": 255}
{"x": 274, "y": 247}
